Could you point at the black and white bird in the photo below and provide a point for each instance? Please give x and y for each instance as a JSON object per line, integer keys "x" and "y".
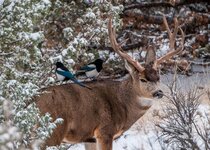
{"x": 63, "y": 74}
{"x": 91, "y": 70}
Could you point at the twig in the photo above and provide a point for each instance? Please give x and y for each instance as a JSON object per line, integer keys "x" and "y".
{"x": 6, "y": 54}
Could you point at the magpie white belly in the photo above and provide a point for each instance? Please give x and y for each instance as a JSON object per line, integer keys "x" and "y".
{"x": 60, "y": 77}
{"x": 92, "y": 74}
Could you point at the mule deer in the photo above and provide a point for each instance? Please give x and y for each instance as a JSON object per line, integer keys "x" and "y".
{"x": 108, "y": 110}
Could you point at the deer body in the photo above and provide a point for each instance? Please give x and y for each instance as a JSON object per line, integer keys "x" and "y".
{"x": 111, "y": 108}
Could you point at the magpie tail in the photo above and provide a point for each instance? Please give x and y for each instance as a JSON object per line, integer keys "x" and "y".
{"x": 83, "y": 85}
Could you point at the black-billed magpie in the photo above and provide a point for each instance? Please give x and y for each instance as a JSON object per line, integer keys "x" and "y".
{"x": 63, "y": 74}
{"x": 92, "y": 69}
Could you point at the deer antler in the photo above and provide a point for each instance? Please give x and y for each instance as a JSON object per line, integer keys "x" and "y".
{"x": 118, "y": 49}
{"x": 172, "y": 39}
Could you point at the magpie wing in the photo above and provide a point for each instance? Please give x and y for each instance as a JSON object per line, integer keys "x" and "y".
{"x": 64, "y": 68}
{"x": 71, "y": 77}
{"x": 65, "y": 74}
{"x": 88, "y": 67}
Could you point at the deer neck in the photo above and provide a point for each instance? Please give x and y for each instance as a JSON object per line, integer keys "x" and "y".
{"x": 136, "y": 102}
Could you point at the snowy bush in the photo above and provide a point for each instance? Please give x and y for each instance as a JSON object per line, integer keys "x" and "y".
{"x": 76, "y": 27}
{"x": 26, "y": 61}
{"x": 22, "y": 69}
{"x": 185, "y": 122}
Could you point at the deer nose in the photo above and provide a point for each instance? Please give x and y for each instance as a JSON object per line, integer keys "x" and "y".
{"x": 158, "y": 94}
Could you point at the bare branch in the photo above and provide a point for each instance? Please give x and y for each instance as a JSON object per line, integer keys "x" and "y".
{"x": 177, "y": 126}
{"x": 153, "y": 4}
{"x": 125, "y": 48}
{"x": 198, "y": 19}
{"x": 139, "y": 17}
{"x": 6, "y": 54}
{"x": 162, "y": 4}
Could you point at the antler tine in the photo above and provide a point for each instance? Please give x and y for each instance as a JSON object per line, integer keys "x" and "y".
{"x": 118, "y": 49}
{"x": 172, "y": 38}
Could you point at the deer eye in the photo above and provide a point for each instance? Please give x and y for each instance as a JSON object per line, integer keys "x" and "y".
{"x": 143, "y": 80}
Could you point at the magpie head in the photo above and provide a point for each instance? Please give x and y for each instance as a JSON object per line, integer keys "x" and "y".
{"x": 59, "y": 65}
{"x": 98, "y": 63}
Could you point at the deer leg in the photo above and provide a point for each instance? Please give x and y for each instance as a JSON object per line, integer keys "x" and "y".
{"x": 104, "y": 143}
{"x": 104, "y": 136}
{"x": 90, "y": 146}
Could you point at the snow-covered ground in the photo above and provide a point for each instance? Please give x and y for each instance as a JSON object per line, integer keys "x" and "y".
{"x": 142, "y": 135}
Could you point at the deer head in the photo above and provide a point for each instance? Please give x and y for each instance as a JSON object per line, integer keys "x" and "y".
{"x": 148, "y": 75}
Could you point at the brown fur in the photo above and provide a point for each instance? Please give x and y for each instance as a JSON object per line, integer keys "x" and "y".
{"x": 151, "y": 74}
{"x": 110, "y": 108}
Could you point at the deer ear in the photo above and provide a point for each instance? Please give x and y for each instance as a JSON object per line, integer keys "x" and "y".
{"x": 150, "y": 55}
{"x": 129, "y": 68}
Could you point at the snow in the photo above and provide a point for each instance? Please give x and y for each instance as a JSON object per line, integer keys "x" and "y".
{"x": 71, "y": 48}
{"x": 68, "y": 32}
{"x": 64, "y": 52}
{"x": 36, "y": 36}
{"x": 134, "y": 139}
{"x": 117, "y": 9}
{"x": 76, "y": 41}
{"x": 88, "y": 1}
{"x": 102, "y": 54}
{"x": 70, "y": 61}
{"x": 164, "y": 48}
{"x": 82, "y": 41}
{"x": 91, "y": 55}
{"x": 80, "y": 21}
{"x": 189, "y": 42}
{"x": 10, "y": 6}
{"x": 56, "y": 58}
{"x": 1, "y": 2}
{"x": 113, "y": 56}
{"x": 59, "y": 120}
{"x": 46, "y": 2}
{"x": 50, "y": 80}
{"x": 90, "y": 15}
{"x": 11, "y": 83}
